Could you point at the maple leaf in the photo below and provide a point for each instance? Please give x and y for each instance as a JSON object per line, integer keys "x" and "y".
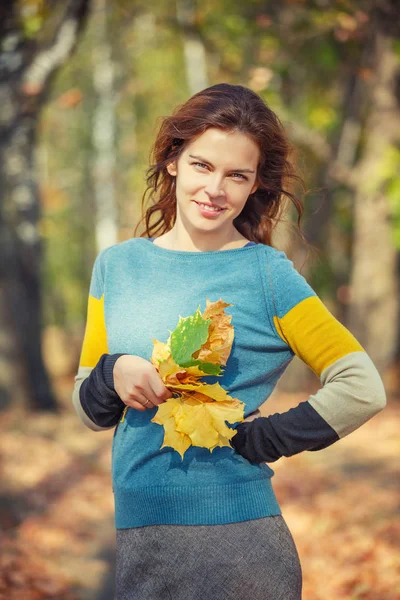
{"x": 190, "y": 333}
{"x": 190, "y": 421}
{"x": 198, "y": 412}
{"x": 214, "y": 390}
{"x": 172, "y": 437}
{"x": 161, "y": 352}
{"x": 220, "y": 339}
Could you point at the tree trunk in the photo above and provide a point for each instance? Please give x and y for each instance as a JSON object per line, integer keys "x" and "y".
{"x": 26, "y": 72}
{"x": 193, "y": 47}
{"x": 20, "y": 262}
{"x": 374, "y": 310}
{"x": 104, "y": 132}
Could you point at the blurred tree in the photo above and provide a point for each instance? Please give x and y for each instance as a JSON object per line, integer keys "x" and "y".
{"x": 36, "y": 38}
{"x": 374, "y": 308}
{"x": 193, "y": 46}
{"x": 104, "y": 129}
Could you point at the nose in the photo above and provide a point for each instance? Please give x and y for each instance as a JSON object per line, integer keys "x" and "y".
{"x": 214, "y": 188}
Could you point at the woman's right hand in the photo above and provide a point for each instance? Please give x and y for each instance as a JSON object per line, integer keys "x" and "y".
{"x": 138, "y": 383}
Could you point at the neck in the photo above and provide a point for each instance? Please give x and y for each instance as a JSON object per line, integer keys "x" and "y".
{"x": 179, "y": 238}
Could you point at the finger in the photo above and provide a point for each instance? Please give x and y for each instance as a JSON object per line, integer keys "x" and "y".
{"x": 139, "y": 406}
{"x": 160, "y": 391}
{"x": 141, "y": 400}
{"x": 145, "y": 389}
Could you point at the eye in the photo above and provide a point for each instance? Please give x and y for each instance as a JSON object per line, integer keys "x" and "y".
{"x": 202, "y": 165}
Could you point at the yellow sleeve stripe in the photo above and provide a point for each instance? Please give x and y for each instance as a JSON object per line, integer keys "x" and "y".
{"x": 95, "y": 340}
{"x": 315, "y": 335}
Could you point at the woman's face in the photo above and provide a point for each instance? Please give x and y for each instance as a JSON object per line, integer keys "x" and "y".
{"x": 218, "y": 169}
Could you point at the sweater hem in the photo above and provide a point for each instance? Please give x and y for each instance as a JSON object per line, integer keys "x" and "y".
{"x": 195, "y": 505}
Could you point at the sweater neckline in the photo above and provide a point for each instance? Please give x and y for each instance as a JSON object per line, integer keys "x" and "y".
{"x": 193, "y": 254}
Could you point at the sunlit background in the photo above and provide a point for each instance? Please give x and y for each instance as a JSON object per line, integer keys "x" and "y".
{"x": 83, "y": 85}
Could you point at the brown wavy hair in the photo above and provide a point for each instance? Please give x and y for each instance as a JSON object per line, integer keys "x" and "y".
{"x": 230, "y": 108}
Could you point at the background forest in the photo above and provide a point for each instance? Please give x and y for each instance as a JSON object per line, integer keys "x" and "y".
{"x": 82, "y": 87}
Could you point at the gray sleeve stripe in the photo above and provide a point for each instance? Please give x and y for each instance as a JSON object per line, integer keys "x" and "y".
{"x": 83, "y": 373}
{"x": 352, "y": 393}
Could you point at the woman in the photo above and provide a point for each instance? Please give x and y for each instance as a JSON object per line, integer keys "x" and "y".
{"x": 209, "y": 525}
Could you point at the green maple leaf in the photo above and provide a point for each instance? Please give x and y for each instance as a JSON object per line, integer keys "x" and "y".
{"x": 188, "y": 337}
{"x": 208, "y": 368}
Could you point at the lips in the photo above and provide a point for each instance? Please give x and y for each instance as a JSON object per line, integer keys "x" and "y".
{"x": 211, "y": 205}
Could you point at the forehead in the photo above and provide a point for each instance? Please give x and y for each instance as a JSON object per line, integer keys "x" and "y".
{"x": 225, "y": 148}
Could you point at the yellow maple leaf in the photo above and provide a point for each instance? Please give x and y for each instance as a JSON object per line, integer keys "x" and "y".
{"x": 220, "y": 334}
{"x": 161, "y": 351}
{"x": 165, "y": 416}
{"x": 174, "y": 438}
{"x": 225, "y": 411}
{"x": 214, "y": 390}
{"x": 190, "y": 421}
{"x": 196, "y": 422}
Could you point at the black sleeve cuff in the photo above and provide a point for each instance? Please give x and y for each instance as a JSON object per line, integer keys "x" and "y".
{"x": 108, "y": 369}
{"x": 97, "y": 394}
{"x": 266, "y": 439}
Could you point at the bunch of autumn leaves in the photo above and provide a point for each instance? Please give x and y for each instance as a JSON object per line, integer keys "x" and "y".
{"x": 198, "y": 347}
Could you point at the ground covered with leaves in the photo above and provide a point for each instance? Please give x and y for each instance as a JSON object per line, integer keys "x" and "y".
{"x": 56, "y": 508}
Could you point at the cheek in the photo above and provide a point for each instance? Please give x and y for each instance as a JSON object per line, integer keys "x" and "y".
{"x": 190, "y": 184}
{"x": 187, "y": 181}
{"x": 239, "y": 196}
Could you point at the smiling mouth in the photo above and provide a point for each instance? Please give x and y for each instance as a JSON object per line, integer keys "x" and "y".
{"x": 212, "y": 207}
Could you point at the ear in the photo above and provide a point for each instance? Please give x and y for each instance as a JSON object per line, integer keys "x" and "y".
{"x": 171, "y": 168}
{"x": 254, "y": 188}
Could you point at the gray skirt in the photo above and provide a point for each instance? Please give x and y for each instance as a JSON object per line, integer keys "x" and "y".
{"x": 254, "y": 559}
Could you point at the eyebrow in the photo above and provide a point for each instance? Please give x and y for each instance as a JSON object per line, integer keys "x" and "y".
{"x": 207, "y": 162}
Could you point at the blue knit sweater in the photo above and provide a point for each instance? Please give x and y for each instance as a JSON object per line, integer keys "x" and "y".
{"x": 138, "y": 292}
